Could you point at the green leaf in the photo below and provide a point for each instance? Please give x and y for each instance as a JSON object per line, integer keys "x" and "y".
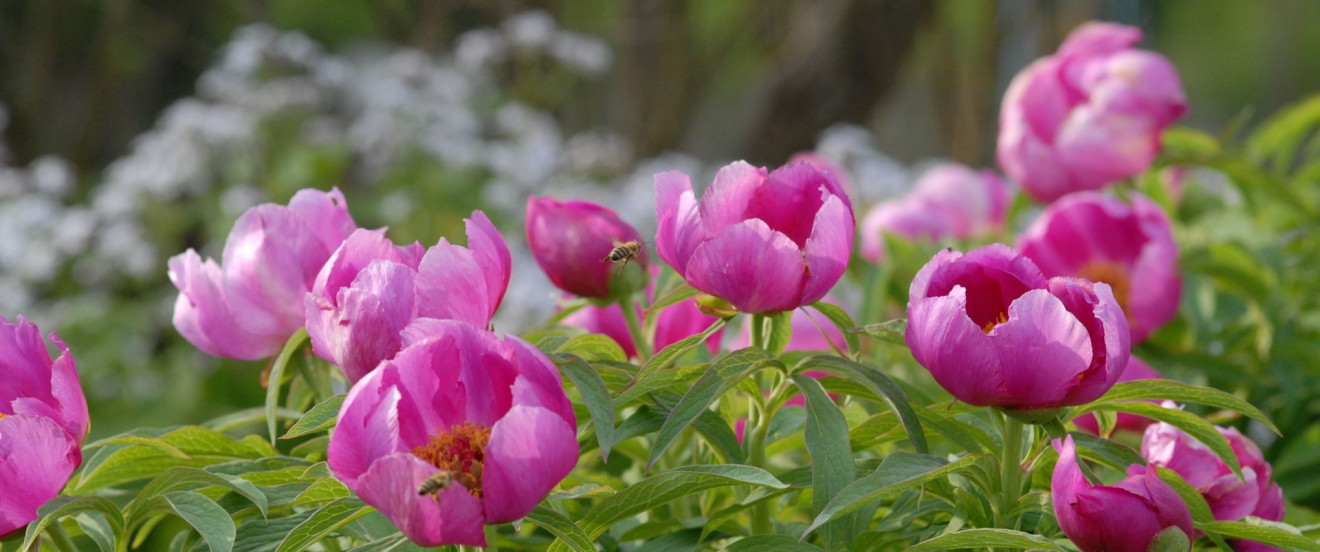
{"x": 891, "y": 331}
{"x": 986, "y": 538}
{"x": 276, "y": 378}
{"x": 1182, "y": 392}
{"x": 181, "y": 477}
{"x": 62, "y": 506}
{"x": 781, "y": 332}
{"x": 1116, "y": 455}
{"x": 1184, "y": 142}
{"x": 324, "y": 521}
{"x": 1171, "y": 539}
{"x": 1195, "y": 502}
{"x": 562, "y": 528}
{"x": 262, "y": 535}
{"x": 320, "y": 418}
{"x": 899, "y": 471}
{"x": 254, "y": 415}
{"x": 668, "y": 354}
{"x": 722, "y": 375}
{"x": 1282, "y": 135}
{"x": 129, "y": 459}
{"x": 715, "y": 429}
{"x": 672, "y": 290}
{"x": 770, "y": 543}
{"x": 842, "y": 321}
{"x": 1193, "y": 425}
{"x": 321, "y": 491}
{"x": 678, "y": 377}
{"x": 1254, "y": 529}
{"x": 877, "y": 383}
{"x": 205, "y": 516}
{"x": 594, "y": 394}
{"x": 832, "y": 465}
{"x": 593, "y": 347}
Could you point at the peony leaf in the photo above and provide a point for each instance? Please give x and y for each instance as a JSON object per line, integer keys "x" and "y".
{"x": 321, "y": 523}
{"x": 1181, "y": 392}
{"x": 321, "y": 417}
{"x": 877, "y": 383}
{"x": 722, "y": 375}
{"x": 562, "y": 528}
{"x": 832, "y": 465}
{"x": 986, "y": 538}
{"x": 1268, "y": 532}
{"x": 594, "y": 395}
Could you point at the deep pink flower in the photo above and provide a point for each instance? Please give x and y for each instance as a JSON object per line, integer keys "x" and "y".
{"x": 568, "y": 239}
{"x": 1230, "y": 498}
{"x": 674, "y": 323}
{"x": 763, "y": 242}
{"x": 43, "y": 421}
{"x": 825, "y": 165}
{"x": 1123, "y": 517}
{"x": 993, "y": 331}
{"x": 371, "y": 289}
{"x": 1088, "y": 115}
{"x": 489, "y": 411}
{"x": 1136, "y": 370}
{"x": 247, "y": 308}
{"x": 1102, "y": 239}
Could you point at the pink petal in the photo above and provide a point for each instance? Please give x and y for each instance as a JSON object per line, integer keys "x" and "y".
{"x": 364, "y": 329}
{"x": 326, "y": 213}
{"x": 789, "y": 194}
{"x": 1099, "y": 37}
{"x": 202, "y": 313}
{"x": 66, "y": 389}
{"x": 751, "y": 266}
{"x": 728, "y": 199}
{"x": 828, "y": 249}
{"x": 358, "y": 251}
{"x": 451, "y": 516}
{"x": 367, "y": 429}
{"x": 531, "y": 450}
{"x": 37, "y": 457}
{"x": 1042, "y": 350}
{"x": 957, "y": 353}
{"x": 492, "y": 254}
{"x": 539, "y": 382}
{"x": 1095, "y": 307}
{"x": 609, "y": 322}
{"x": 679, "y": 226}
{"x": 681, "y": 321}
{"x": 270, "y": 260}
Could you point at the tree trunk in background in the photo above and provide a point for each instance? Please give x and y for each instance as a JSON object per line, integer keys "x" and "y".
{"x": 655, "y": 81}
{"x": 840, "y": 80}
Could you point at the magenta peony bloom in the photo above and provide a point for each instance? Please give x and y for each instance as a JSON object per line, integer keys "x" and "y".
{"x": 763, "y": 242}
{"x": 1121, "y": 517}
{"x": 43, "y": 421}
{"x": 370, "y": 290}
{"x": 993, "y": 331}
{"x": 1136, "y": 370}
{"x": 674, "y": 323}
{"x": 1102, "y": 239}
{"x": 247, "y": 308}
{"x": 1088, "y": 115}
{"x": 949, "y": 200}
{"x": 569, "y": 239}
{"x": 490, "y": 413}
{"x": 825, "y": 165}
{"x": 1230, "y": 498}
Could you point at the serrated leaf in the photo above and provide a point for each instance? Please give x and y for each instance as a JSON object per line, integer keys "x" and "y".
{"x": 594, "y": 394}
{"x": 324, "y": 521}
{"x": 1182, "y": 392}
{"x": 1275, "y": 534}
{"x": 986, "y": 538}
{"x": 593, "y": 347}
{"x": 320, "y": 418}
{"x": 205, "y": 516}
{"x": 899, "y": 471}
{"x": 841, "y": 320}
{"x": 275, "y": 379}
{"x": 724, "y": 373}
{"x": 562, "y": 528}
{"x": 890, "y": 331}
{"x": 832, "y": 465}
{"x": 1193, "y": 425}
{"x": 880, "y": 385}
{"x": 62, "y": 506}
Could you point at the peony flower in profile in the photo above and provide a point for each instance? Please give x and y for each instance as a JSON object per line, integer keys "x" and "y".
{"x": 247, "y": 306}
{"x": 1123, "y": 517}
{"x": 1128, "y": 246}
{"x": 461, "y": 429}
{"x": 763, "y": 241}
{"x": 43, "y": 421}
{"x": 1088, "y": 115}
{"x": 1229, "y": 497}
{"x": 371, "y": 289}
{"x": 993, "y": 331}
{"x": 948, "y": 201}
{"x": 569, "y": 239}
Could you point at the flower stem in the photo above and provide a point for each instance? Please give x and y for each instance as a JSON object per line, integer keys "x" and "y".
{"x": 1010, "y": 470}
{"x": 635, "y": 327}
{"x": 59, "y": 539}
{"x": 758, "y": 331}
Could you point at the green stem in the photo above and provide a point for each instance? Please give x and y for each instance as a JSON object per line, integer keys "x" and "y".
{"x": 765, "y": 412}
{"x": 758, "y": 331}
{"x": 59, "y": 539}
{"x": 492, "y": 538}
{"x": 635, "y": 328}
{"x": 1010, "y": 470}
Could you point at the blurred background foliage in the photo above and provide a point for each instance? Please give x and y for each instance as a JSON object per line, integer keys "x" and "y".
{"x": 134, "y": 129}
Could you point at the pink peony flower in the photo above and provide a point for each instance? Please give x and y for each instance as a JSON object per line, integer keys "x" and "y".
{"x": 247, "y": 308}
{"x": 568, "y": 239}
{"x": 370, "y": 290}
{"x": 949, "y": 200}
{"x": 1102, "y": 239}
{"x": 1136, "y": 370}
{"x": 1123, "y": 517}
{"x": 1088, "y": 115}
{"x": 43, "y": 421}
{"x": 484, "y": 418}
{"x": 764, "y": 242}
{"x": 1230, "y": 498}
{"x": 908, "y": 217}
{"x": 993, "y": 331}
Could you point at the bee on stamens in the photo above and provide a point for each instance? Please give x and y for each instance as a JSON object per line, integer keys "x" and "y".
{"x": 440, "y": 481}
{"x": 623, "y": 251}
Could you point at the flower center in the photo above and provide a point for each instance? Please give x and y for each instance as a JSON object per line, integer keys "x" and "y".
{"x": 3, "y": 415}
{"x": 461, "y": 452}
{"x": 1112, "y": 273}
{"x": 990, "y": 326}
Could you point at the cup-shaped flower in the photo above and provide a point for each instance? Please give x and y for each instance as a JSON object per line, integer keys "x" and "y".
{"x": 43, "y": 420}
{"x": 1123, "y": 517}
{"x": 569, "y": 240}
{"x": 1103, "y": 239}
{"x": 483, "y": 418}
{"x": 765, "y": 242}
{"x": 673, "y": 323}
{"x": 909, "y": 217}
{"x": 1088, "y": 115}
{"x": 1230, "y": 498}
{"x": 973, "y": 202}
{"x": 371, "y": 289}
{"x": 250, "y": 304}
{"x": 1136, "y": 370}
{"x": 993, "y": 331}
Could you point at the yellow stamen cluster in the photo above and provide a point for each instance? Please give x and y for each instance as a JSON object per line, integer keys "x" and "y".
{"x": 461, "y": 451}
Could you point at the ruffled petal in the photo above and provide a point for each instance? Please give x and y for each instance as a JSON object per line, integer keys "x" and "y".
{"x": 326, "y": 213}
{"x": 492, "y": 255}
{"x": 66, "y": 389}
{"x": 679, "y": 226}
{"x": 367, "y": 428}
{"x": 270, "y": 259}
{"x": 363, "y": 329}
{"x": 789, "y": 193}
{"x": 751, "y": 266}
{"x": 451, "y": 516}
{"x": 958, "y": 354}
{"x": 531, "y": 450}
{"x": 1043, "y": 350}
{"x": 203, "y": 316}
{"x": 37, "y": 457}
{"x": 726, "y": 202}
{"x": 828, "y": 249}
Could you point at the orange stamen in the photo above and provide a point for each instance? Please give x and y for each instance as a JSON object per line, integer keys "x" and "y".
{"x": 461, "y": 451}
{"x": 1112, "y": 273}
{"x": 990, "y": 326}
